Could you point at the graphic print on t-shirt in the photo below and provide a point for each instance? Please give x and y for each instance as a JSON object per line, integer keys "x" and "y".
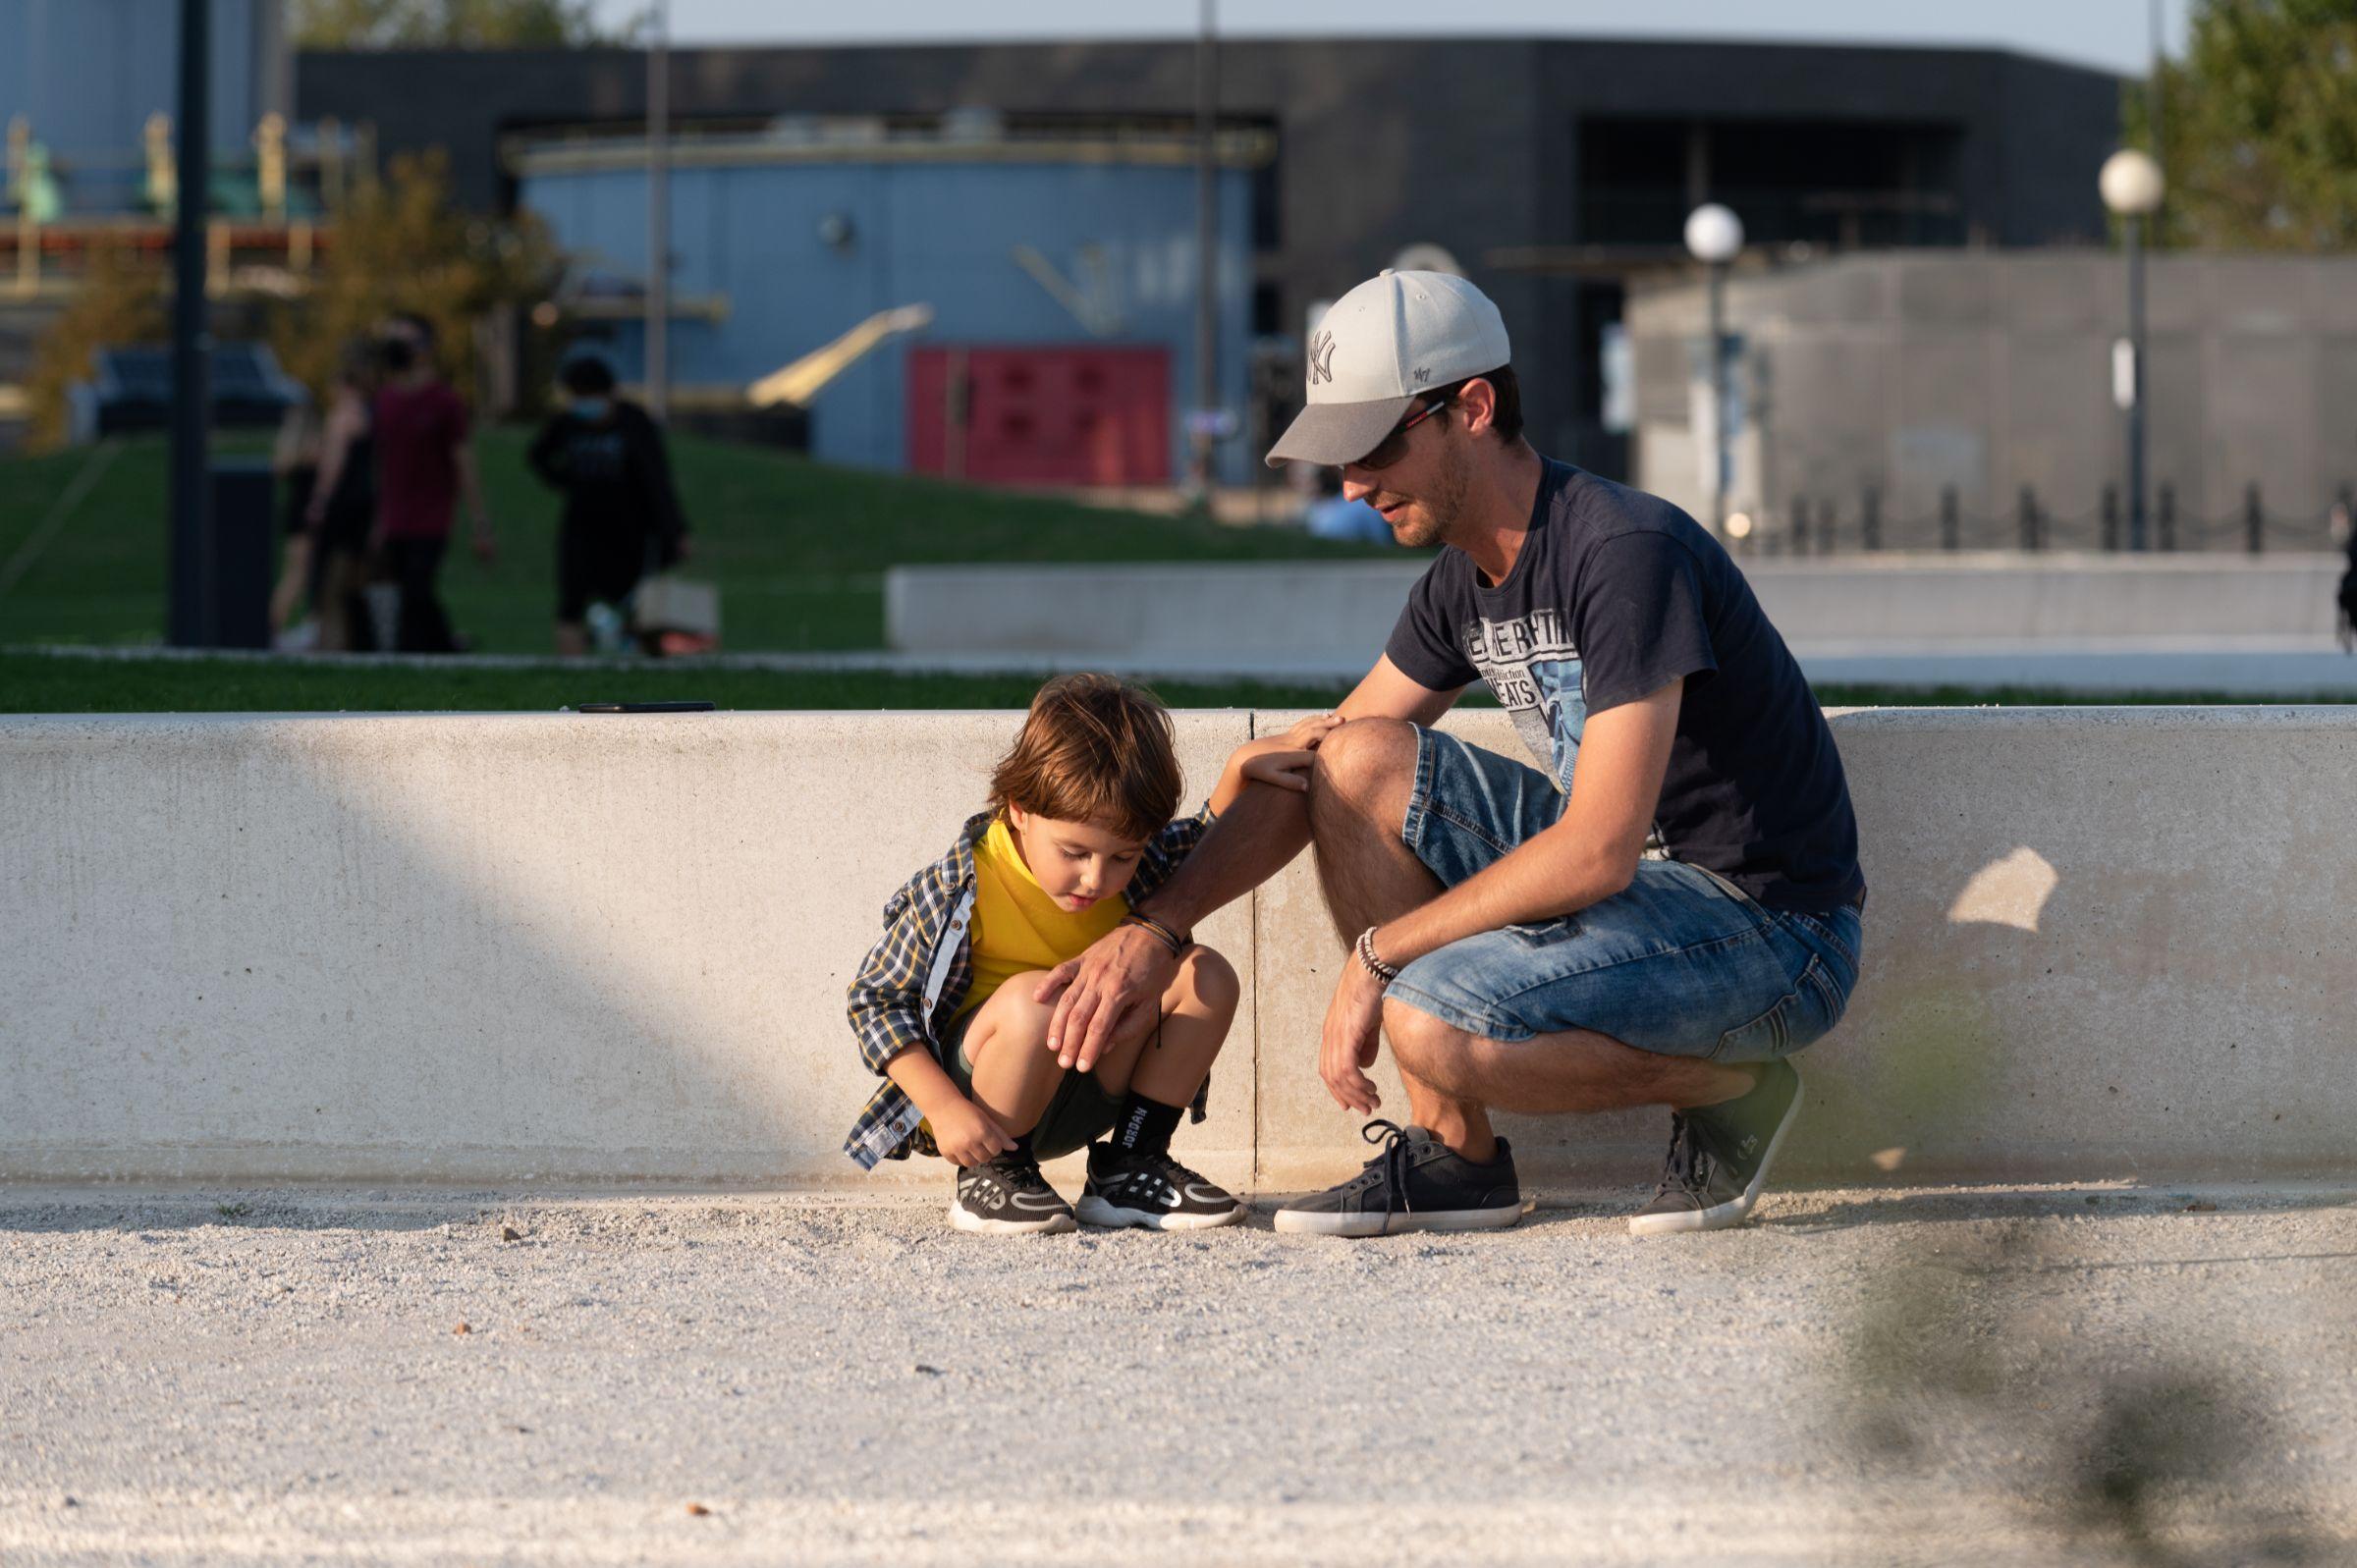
{"x": 1533, "y": 668}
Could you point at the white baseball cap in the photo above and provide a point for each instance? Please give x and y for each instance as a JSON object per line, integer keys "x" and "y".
{"x": 1395, "y": 336}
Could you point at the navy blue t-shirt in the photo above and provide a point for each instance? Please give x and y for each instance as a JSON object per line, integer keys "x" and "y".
{"x": 1615, "y": 594}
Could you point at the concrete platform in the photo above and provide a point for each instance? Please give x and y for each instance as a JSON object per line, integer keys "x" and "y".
{"x": 524, "y": 949}
{"x": 2053, "y": 1379}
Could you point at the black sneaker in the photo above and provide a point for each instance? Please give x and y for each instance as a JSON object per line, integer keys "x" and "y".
{"x": 1719, "y": 1157}
{"x": 1006, "y": 1196}
{"x": 1154, "y": 1191}
{"x": 1416, "y": 1183}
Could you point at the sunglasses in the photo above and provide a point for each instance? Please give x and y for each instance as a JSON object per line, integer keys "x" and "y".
{"x": 1392, "y": 447}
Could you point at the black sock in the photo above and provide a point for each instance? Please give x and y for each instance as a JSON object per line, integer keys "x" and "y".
{"x": 1145, "y": 1126}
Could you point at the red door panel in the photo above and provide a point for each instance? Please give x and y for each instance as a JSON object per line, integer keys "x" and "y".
{"x": 1063, "y": 415}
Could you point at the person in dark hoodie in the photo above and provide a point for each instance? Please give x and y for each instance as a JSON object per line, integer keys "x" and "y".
{"x": 622, "y": 516}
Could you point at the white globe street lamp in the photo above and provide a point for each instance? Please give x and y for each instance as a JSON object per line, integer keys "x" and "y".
{"x": 1715, "y": 237}
{"x": 1713, "y": 233}
{"x": 2132, "y": 188}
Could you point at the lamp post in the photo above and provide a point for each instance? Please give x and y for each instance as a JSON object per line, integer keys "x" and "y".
{"x": 2132, "y": 188}
{"x": 195, "y": 620}
{"x": 1200, "y": 426}
{"x": 1715, "y": 237}
{"x": 658, "y": 213}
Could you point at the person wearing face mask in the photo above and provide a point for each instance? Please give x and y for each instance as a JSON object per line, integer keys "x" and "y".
{"x": 425, "y": 464}
{"x": 605, "y": 455}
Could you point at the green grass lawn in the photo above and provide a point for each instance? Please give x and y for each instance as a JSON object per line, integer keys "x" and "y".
{"x": 797, "y": 547}
{"x": 31, "y": 682}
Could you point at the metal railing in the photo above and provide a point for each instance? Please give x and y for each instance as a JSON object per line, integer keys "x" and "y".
{"x": 1819, "y": 524}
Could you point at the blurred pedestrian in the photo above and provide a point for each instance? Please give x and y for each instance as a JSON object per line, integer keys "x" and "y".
{"x": 340, "y": 508}
{"x": 296, "y": 462}
{"x": 621, "y": 514}
{"x": 424, "y": 463}
{"x": 2345, "y": 528}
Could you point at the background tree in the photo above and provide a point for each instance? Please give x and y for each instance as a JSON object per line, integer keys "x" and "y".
{"x": 120, "y": 304}
{"x": 2260, "y": 120}
{"x": 399, "y": 245}
{"x": 450, "y": 25}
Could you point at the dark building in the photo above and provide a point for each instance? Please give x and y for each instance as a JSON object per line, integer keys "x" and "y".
{"x": 1551, "y": 170}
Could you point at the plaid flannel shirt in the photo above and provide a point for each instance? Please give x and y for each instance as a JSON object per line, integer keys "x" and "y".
{"x": 909, "y": 986}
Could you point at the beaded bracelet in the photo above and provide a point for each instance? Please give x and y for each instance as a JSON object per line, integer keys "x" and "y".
{"x": 1365, "y": 949}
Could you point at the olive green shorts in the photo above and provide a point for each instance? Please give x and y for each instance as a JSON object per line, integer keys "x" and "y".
{"x": 1077, "y": 1115}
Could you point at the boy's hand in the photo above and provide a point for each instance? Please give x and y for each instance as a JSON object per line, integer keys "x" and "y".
{"x": 1280, "y": 760}
{"x": 1305, "y": 735}
{"x": 966, "y": 1135}
{"x": 1287, "y": 770}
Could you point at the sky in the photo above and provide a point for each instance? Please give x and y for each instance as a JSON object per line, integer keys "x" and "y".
{"x": 2114, "y": 34}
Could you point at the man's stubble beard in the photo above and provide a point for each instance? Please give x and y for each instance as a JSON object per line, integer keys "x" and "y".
{"x": 1443, "y": 508}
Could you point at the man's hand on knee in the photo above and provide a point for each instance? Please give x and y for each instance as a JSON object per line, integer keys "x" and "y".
{"x": 1102, "y": 991}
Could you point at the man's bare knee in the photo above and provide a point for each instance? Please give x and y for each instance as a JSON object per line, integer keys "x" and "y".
{"x": 1209, "y": 981}
{"x": 1364, "y": 768}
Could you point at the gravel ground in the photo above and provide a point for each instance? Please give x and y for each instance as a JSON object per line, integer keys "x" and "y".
{"x": 1895, "y": 1378}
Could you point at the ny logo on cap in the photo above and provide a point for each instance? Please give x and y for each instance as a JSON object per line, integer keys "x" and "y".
{"x": 1321, "y": 357}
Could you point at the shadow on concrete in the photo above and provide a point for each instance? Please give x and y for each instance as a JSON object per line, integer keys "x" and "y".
{"x": 2155, "y": 1443}
{"x": 1950, "y": 1208}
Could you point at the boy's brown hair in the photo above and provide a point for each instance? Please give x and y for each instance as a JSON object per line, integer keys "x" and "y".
{"x": 1096, "y": 750}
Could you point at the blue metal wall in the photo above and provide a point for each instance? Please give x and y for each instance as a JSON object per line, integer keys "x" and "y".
{"x": 940, "y": 233}
{"x": 89, "y": 72}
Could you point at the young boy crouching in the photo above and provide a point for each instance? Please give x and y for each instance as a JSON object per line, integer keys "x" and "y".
{"x": 951, "y": 1006}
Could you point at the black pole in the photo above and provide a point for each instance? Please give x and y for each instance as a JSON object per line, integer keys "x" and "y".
{"x": 1719, "y": 442}
{"x": 1951, "y": 523}
{"x": 196, "y": 620}
{"x": 2136, "y": 382}
{"x": 1207, "y": 252}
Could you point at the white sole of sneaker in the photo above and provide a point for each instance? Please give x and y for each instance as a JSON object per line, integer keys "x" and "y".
{"x": 1112, "y": 1217}
{"x": 1735, "y": 1211}
{"x": 976, "y": 1225}
{"x": 1313, "y": 1222}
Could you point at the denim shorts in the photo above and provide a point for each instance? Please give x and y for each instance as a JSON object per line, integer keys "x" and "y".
{"x": 1681, "y": 962}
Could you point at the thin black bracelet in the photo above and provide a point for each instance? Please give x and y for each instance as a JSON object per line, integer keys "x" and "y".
{"x": 1161, "y": 933}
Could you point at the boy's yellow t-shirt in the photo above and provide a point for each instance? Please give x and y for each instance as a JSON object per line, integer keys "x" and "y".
{"x": 1016, "y": 925}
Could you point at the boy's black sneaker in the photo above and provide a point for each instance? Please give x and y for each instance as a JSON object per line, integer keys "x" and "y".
{"x": 1128, "y": 1187}
{"x": 1006, "y": 1196}
{"x": 1719, "y": 1157}
{"x": 1416, "y": 1183}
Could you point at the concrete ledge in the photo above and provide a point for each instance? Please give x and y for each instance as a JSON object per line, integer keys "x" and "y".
{"x": 1294, "y": 611}
{"x": 2103, "y": 944}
